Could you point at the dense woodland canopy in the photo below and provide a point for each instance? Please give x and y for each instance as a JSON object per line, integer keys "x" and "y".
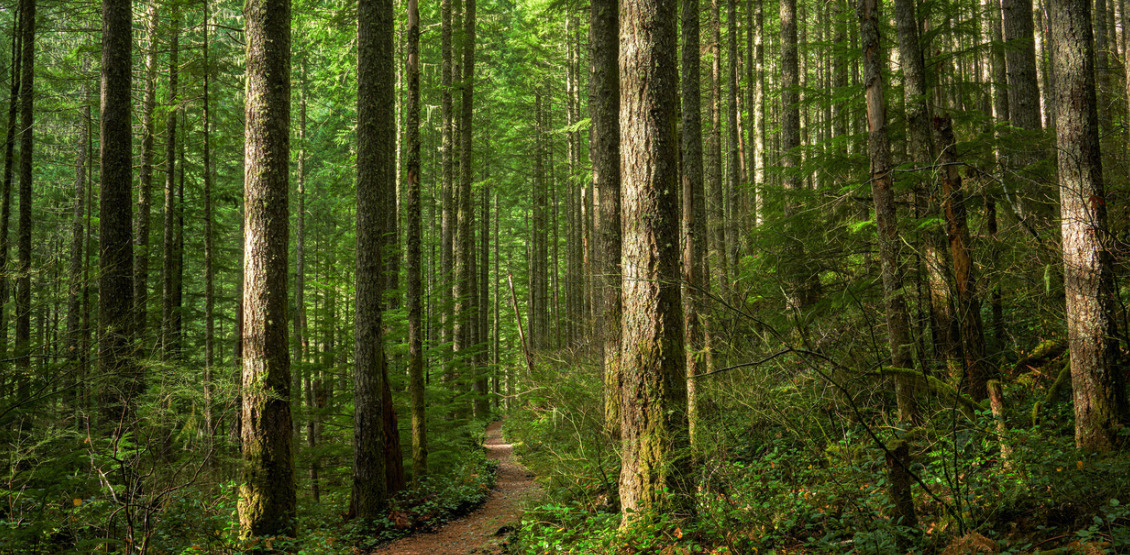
{"x": 795, "y": 275}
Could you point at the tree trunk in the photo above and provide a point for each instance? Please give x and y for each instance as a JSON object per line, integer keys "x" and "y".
{"x": 1096, "y": 379}
{"x": 9, "y": 163}
{"x": 209, "y": 245}
{"x": 757, "y": 130}
{"x": 168, "y": 343}
{"x": 416, "y": 386}
{"x": 73, "y": 347}
{"x": 376, "y": 136}
{"x": 653, "y": 363}
{"x": 695, "y": 279}
{"x": 713, "y": 156}
{"x": 448, "y": 222}
{"x": 801, "y": 283}
{"x": 145, "y": 185}
{"x": 968, "y": 313}
{"x": 115, "y": 284}
{"x": 890, "y": 243}
{"x": 462, "y": 291}
{"x": 23, "y": 238}
{"x": 1020, "y": 63}
{"x": 267, "y": 494}
{"x": 734, "y": 176}
{"x": 604, "y": 150}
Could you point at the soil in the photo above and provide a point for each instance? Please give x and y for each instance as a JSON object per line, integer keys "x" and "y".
{"x": 487, "y": 528}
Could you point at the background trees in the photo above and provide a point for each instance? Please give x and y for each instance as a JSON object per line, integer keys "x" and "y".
{"x": 799, "y": 243}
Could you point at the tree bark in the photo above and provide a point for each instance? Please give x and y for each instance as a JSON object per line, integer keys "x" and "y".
{"x": 267, "y": 493}
{"x": 734, "y": 177}
{"x": 713, "y": 156}
{"x": 376, "y": 135}
{"x": 695, "y": 280}
{"x": 653, "y": 362}
{"x": 73, "y": 347}
{"x": 23, "y": 237}
{"x": 968, "y": 313}
{"x": 145, "y": 185}
{"x": 1020, "y": 63}
{"x": 447, "y": 215}
{"x": 124, "y": 380}
{"x": 9, "y": 165}
{"x": 168, "y": 281}
{"x": 463, "y": 292}
{"x": 604, "y": 150}
{"x": 890, "y": 243}
{"x": 209, "y": 244}
{"x": 416, "y": 386}
{"x": 1096, "y": 378}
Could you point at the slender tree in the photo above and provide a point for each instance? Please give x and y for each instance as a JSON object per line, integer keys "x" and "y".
{"x": 145, "y": 184}
{"x": 23, "y": 233}
{"x": 416, "y": 360}
{"x": 1096, "y": 379}
{"x": 464, "y": 251}
{"x": 9, "y": 165}
{"x": 73, "y": 340}
{"x": 886, "y": 217}
{"x": 652, "y": 360}
{"x": 209, "y": 244}
{"x": 694, "y": 209}
{"x": 168, "y": 272}
{"x": 604, "y": 151}
{"x": 267, "y": 494}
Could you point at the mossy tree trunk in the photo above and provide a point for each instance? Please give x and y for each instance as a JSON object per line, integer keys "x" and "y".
{"x": 604, "y": 107}
{"x": 653, "y": 364}
{"x": 267, "y": 494}
{"x": 115, "y": 282}
{"x": 1096, "y": 378}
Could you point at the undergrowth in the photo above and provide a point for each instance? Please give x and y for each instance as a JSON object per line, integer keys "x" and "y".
{"x": 786, "y": 465}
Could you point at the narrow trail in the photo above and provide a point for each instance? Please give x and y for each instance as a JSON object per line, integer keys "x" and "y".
{"x": 478, "y": 531}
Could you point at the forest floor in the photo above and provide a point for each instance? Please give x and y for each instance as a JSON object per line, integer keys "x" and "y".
{"x": 487, "y": 528}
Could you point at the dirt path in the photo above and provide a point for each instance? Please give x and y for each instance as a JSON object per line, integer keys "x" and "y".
{"x": 477, "y": 532}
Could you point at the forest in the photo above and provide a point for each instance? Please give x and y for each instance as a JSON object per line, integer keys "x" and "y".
{"x": 565, "y": 276}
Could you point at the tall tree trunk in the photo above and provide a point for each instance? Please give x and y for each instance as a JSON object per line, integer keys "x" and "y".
{"x": 376, "y": 136}
{"x": 757, "y": 106}
{"x": 23, "y": 237}
{"x": 267, "y": 493}
{"x": 604, "y": 151}
{"x": 416, "y": 370}
{"x": 9, "y": 165}
{"x": 115, "y": 284}
{"x": 713, "y": 156}
{"x": 145, "y": 185}
{"x": 695, "y": 280}
{"x": 209, "y": 245}
{"x": 653, "y": 363}
{"x": 300, "y": 340}
{"x": 734, "y": 175}
{"x": 73, "y": 347}
{"x": 1020, "y": 62}
{"x": 448, "y": 222}
{"x": 1096, "y": 379}
{"x": 800, "y": 281}
{"x": 463, "y": 292}
{"x": 168, "y": 343}
{"x": 539, "y": 319}
{"x": 968, "y": 305}
{"x": 886, "y": 218}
